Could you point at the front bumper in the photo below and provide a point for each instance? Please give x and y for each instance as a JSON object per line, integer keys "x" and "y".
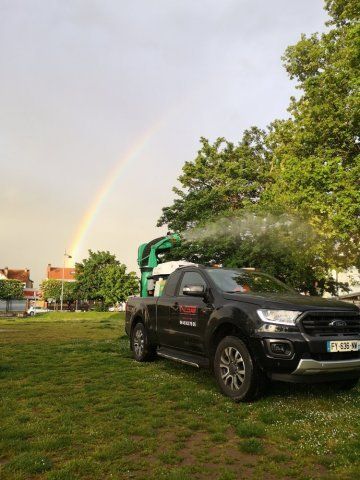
{"x": 314, "y": 371}
{"x": 310, "y": 362}
{"x": 308, "y": 366}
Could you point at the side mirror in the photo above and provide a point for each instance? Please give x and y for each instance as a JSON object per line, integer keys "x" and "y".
{"x": 194, "y": 290}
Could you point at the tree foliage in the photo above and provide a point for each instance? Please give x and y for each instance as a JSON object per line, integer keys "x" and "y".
{"x": 306, "y": 166}
{"x": 118, "y": 285}
{"x": 51, "y": 289}
{"x": 316, "y": 153}
{"x": 11, "y": 289}
{"x": 103, "y": 278}
{"x": 222, "y": 177}
{"x": 280, "y": 245}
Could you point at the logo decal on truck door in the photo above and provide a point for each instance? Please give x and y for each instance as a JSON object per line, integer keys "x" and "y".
{"x": 187, "y": 313}
{"x": 188, "y": 309}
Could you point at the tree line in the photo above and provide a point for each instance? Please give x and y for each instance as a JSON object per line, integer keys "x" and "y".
{"x": 299, "y": 176}
{"x": 100, "y": 278}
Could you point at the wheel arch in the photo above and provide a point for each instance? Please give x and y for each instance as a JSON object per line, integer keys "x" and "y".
{"x": 227, "y": 327}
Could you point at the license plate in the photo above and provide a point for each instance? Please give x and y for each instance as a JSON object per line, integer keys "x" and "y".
{"x": 343, "y": 346}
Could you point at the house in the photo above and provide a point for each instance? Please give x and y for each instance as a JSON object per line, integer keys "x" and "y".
{"x": 23, "y": 275}
{"x": 59, "y": 273}
{"x": 353, "y": 297}
{"x": 352, "y": 277}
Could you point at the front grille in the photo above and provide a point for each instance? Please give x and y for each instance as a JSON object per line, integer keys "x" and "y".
{"x": 318, "y": 324}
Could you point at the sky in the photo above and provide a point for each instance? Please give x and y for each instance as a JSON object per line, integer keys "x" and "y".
{"x": 102, "y": 102}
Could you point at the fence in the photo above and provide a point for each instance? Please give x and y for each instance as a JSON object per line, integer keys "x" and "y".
{"x": 12, "y": 307}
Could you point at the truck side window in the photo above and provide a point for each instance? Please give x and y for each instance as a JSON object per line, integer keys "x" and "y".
{"x": 191, "y": 278}
{"x": 171, "y": 283}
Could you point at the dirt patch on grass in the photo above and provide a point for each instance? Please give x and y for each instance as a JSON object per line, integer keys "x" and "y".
{"x": 200, "y": 451}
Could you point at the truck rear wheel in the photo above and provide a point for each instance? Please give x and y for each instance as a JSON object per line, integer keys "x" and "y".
{"x": 236, "y": 372}
{"x": 140, "y": 346}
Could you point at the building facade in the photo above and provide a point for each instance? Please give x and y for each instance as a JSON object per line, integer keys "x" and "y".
{"x": 59, "y": 273}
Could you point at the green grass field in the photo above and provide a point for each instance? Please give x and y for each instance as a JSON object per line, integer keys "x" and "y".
{"x": 74, "y": 405}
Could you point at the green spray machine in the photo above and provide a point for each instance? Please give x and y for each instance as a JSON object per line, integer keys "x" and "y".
{"x": 148, "y": 256}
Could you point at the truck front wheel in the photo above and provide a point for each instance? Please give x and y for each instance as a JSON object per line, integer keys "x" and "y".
{"x": 235, "y": 370}
{"x": 140, "y": 346}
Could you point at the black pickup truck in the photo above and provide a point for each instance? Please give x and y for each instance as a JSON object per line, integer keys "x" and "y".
{"x": 249, "y": 328}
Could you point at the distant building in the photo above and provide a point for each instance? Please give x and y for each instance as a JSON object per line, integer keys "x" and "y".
{"x": 23, "y": 275}
{"x": 352, "y": 277}
{"x": 33, "y": 295}
{"x": 59, "y": 273}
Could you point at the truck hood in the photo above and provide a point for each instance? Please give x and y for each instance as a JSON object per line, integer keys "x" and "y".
{"x": 291, "y": 302}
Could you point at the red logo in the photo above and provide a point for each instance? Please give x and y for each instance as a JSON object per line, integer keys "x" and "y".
{"x": 188, "y": 309}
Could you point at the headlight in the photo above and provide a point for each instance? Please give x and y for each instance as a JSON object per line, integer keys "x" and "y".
{"x": 279, "y": 317}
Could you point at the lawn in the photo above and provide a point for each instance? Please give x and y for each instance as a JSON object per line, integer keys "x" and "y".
{"x": 74, "y": 405}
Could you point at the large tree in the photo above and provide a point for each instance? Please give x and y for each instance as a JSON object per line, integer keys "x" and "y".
{"x": 222, "y": 177}
{"x": 316, "y": 153}
{"x": 103, "y": 278}
{"x": 307, "y": 166}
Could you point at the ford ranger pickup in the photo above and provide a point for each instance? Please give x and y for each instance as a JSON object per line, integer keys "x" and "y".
{"x": 248, "y": 328}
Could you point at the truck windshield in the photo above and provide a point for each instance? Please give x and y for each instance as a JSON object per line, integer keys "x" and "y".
{"x": 245, "y": 281}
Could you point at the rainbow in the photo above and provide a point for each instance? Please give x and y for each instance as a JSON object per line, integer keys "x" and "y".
{"x": 105, "y": 189}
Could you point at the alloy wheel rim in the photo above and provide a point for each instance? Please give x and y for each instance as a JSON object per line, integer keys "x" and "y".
{"x": 138, "y": 342}
{"x": 232, "y": 368}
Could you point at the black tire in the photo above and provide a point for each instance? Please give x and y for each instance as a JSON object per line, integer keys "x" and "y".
{"x": 140, "y": 346}
{"x": 347, "y": 384}
{"x": 236, "y": 372}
